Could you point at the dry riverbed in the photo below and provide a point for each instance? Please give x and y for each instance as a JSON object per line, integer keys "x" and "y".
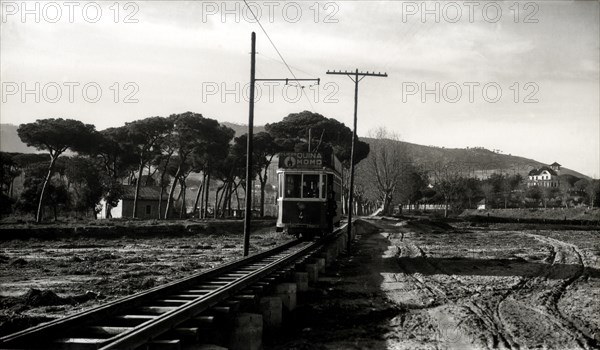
{"x": 41, "y": 279}
{"x": 427, "y": 285}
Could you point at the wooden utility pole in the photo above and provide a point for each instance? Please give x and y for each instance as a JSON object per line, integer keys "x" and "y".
{"x": 249, "y": 149}
{"x": 354, "y": 76}
{"x": 249, "y": 143}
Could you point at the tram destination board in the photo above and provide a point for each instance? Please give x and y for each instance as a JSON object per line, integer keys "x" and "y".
{"x": 302, "y": 160}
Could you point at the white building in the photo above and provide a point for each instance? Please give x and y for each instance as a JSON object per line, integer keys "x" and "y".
{"x": 546, "y": 176}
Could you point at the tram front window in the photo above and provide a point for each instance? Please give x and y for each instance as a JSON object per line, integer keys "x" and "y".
{"x": 310, "y": 186}
{"x": 292, "y": 185}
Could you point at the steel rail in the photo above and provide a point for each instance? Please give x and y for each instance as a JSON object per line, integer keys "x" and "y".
{"x": 165, "y": 322}
{"x": 53, "y": 328}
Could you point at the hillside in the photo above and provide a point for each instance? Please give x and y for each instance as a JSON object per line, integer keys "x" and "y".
{"x": 241, "y": 129}
{"x": 10, "y": 141}
{"x": 478, "y": 162}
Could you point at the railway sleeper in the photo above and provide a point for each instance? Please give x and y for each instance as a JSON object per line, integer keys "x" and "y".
{"x": 207, "y": 288}
{"x": 261, "y": 284}
{"x": 270, "y": 260}
{"x": 155, "y": 310}
{"x": 102, "y": 331}
{"x": 189, "y": 296}
{"x": 235, "y": 274}
{"x": 254, "y": 289}
{"x": 185, "y": 334}
{"x": 213, "y": 326}
{"x": 253, "y": 266}
{"x": 171, "y": 302}
{"x": 162, "y": 344}
{"x": 246, "y": 269}
{"x": 207, "y": 321}
{"x": 228, "y": 279}
{"x": 233, "y": 305}
{"x": 198, "y": 291}
{"x": 217, "y": 282}
{"x": 78, "y": 343}
{"x": 248, "y": 302}
{"x": 128, "y": 320}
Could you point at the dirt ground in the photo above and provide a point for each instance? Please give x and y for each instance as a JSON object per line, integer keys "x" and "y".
{"x": 427, "y": 285}
{"x": 44, "y": 279}
{"x": 407, "y": 284}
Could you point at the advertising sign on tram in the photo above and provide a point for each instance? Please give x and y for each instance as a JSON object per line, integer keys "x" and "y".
{"x": 300, "y": 160}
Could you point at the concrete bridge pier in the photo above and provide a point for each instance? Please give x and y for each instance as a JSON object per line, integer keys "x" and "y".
{"x": 272, "y": 312}
{"x": 287, "y": 293}
{"x": 312, "y": 271}
{"x": 301, "y": 280}
{"x": 247, "y": 332}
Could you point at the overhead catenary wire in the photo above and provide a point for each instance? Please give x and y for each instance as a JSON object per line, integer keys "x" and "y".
{"x": 278, "y": 61}
{"x": 278, "y": 53}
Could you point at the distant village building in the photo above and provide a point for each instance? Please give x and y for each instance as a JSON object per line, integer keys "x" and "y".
{"x": 147, "y": 206}
{"x": 546, "y": 176}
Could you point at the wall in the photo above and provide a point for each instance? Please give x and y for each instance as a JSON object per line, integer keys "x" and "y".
{"x": 127, "y": 209}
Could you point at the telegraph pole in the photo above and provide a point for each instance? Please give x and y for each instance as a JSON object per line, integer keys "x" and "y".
{"x": 249, "y": 147}
{"x": 249, "y": 143}
{"x": 354, "y": 76}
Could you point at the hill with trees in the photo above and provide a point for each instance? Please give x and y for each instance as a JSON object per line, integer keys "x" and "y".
{"x": 399, "y": 174}
{"x": 478, "y": 161}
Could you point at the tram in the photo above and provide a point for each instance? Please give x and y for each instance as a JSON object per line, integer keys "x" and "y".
{"x": 309, "y": 193}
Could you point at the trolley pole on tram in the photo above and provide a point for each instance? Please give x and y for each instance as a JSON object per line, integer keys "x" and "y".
{"x": 354, "y": 76}
{"x": 249, "y": 142}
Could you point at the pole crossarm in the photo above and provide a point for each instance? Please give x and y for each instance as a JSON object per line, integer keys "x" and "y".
{"x": 287, "y": 80}
{"x": 366, "y": 74}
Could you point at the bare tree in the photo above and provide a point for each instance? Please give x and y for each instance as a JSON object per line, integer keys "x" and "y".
{"x": 448, "y": 182}
{"x": 384, "y": 168}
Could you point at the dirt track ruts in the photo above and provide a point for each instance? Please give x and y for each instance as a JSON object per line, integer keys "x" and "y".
{"x": 423, "y": 284}
{"x": 505, "y": 319}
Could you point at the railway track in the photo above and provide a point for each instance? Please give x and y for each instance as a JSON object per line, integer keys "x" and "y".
{"x": 166, "y": 315}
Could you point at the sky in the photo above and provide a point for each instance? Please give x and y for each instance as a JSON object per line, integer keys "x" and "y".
{"x": 522, "y": 77}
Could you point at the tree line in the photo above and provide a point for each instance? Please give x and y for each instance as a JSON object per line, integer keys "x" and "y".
{"x": 157, "y": 151}
{"x": 82, "y": 165}
{"x": 391, "y": 178}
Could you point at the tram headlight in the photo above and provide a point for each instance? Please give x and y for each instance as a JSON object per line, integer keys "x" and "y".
{"x": 301, "y": 207}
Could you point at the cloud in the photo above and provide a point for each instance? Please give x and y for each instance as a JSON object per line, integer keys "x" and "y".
{"x": 177, "y": 46}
